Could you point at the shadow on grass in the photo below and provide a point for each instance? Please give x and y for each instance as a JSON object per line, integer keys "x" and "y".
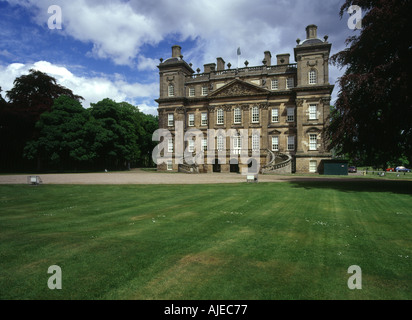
{"x": 397, "y": 187}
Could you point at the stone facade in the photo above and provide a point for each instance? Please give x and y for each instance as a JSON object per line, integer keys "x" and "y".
{"x": 287, "y": 104}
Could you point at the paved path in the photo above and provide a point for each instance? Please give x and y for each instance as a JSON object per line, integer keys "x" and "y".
{"x": 137, "y": 176}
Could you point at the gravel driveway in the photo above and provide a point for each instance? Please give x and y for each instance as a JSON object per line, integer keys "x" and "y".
{"x": 138, "y": 176}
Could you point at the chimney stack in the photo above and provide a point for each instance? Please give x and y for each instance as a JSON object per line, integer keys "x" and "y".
{"x": 283, "y": 58}
{"x": 220, "y": 64}
{"x": 311, "y": 31}
{"x": 268, "y": 58}
{"x": 176, "y": 51}
{"x": 209, "y": 67}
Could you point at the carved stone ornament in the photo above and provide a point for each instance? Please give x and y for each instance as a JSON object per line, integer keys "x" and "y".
{"x": 211, "y": 109}
{"x": 238, "y": 89}
{"x": 299, "y": 102}
{"x": 180, "y": 110}
{"x": 312, "y": 63}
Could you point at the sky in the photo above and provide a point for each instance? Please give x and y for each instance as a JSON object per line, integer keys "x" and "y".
{"x": 111, "y": 48}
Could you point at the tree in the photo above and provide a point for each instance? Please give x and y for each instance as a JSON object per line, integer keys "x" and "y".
{"x": 62, "y": 134}
{"x": 149, "y": 124}
{"x": 373, "y": 112}
{"x": 31, "y": 95}
{"x": 116, "y": 132}
{"x": 3, "y": 102}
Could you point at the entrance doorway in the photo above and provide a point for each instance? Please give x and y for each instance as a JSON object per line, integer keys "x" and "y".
{"x": 216, "y": 166}
{"x": 234, "y": 166}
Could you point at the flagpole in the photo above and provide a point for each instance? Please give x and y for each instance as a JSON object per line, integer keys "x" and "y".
{"x": 238, "y": 56}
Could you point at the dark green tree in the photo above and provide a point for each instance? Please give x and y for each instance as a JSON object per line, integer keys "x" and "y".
{"x": 116, "y": 128}
{"x": 61, "y": 142}
{"x": 31, "y": 95}
{"x": 149, "y": 124}
{"x": 372, "y": 115}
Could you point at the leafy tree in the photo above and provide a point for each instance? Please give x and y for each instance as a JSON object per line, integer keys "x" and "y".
{"x": 116, "y": 130}
{"x": 373, "y": 112}
{"x": 62, "y": 132}
{"x": 31, "y": 95}
{"x": 35, "y": 92}
{"x": 149, "y": 123}
{"x": 3, "y": 102}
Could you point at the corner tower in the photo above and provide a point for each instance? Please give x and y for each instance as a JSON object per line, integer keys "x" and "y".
{"x": 313, "y": 94}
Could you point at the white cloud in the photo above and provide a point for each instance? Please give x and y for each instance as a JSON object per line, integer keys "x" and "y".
{"x": 92, "y": 89}
{"x": 118, "y": 29}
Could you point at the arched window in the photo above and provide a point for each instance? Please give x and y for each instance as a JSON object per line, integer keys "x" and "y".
{"x": 255, "y": 142}
{"x": 220, "y": 143}
{"x": 313, "y": 77}
{"x": 237, "y": 143}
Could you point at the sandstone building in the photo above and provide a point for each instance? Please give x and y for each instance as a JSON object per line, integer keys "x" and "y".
{"x": 286, "y": 103}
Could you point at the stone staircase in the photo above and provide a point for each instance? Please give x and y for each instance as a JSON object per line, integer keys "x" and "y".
{"x": 188, "y": 168}
{"x": 278, "y": 163}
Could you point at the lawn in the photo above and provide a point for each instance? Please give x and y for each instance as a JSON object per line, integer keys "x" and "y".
{"x": 288, "y": 240}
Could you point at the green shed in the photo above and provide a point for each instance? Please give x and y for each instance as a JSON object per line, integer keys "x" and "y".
{"x": 335, "y": 167}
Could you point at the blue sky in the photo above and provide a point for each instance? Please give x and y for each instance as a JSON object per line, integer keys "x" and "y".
{"x": 111, "y": 48}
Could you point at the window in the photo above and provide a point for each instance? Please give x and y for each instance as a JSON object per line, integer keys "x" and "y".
{"x": 191, "y": 119}
{"x": 220, "y": 116}
{"x": 205, "y": 91}
{"x": 313, "y": 141}
{"x": 290, "y": 114}
{"x": 191, "y": 145}
{"x": 275, "y": 84}
{"x": 204, "y": 119}
{"x": 291, "y": 143}
{"x": 255, "y": 142}
{"x": 313, "y": 166}
{"x": 170, "y": 145}
{"x": 169, "y": 165}
{"x": 290, "y": 83}
{"x": 204, "y": 144}
{"x": 255, "y": 114}
{"x": 191, "y": 92}
{"x": 312, "y": 76}
{"x": 275, "y": 115}
{"x": 171, "y": 90}
{"x": 237, "y": 144}
{"x": 170, "y": 119}
{"x": 220, "y": 143}
{"x": 275, "y": 143}
{"x": 313, "y": 112}
{"x": 237, "y": 118}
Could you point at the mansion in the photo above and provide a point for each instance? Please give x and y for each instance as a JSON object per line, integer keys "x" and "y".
{"x": 277, "y": 110}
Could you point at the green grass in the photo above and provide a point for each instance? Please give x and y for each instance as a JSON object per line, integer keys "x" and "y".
{"x": 289, "y": 240}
